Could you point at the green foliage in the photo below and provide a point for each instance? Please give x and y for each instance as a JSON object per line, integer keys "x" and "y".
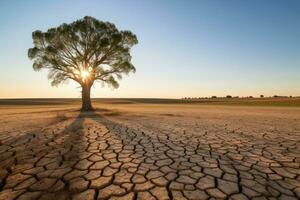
{"x": 86, "y": 44}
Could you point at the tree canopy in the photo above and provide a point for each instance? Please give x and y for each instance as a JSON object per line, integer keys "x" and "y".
{"x": 85, "y": 51}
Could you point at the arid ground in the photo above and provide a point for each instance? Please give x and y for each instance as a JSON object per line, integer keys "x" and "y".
{"x": 148, "y": 150}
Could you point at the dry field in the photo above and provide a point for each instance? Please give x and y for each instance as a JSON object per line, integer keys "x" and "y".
{"x": 139, "y": 150}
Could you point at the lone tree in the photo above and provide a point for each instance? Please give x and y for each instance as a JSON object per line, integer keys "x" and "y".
{"x": 84, "y": 51}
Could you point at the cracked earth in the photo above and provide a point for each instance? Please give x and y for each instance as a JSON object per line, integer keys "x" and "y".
{"x": 169, "y": 154}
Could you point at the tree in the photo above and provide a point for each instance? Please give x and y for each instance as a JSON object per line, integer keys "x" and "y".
{"x": 84, "y": 51}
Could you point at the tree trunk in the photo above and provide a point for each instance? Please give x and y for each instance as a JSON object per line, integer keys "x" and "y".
{"x": 86, "y": 98}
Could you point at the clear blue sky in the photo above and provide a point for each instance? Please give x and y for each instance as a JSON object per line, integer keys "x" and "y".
{"x": 186, "y": 48}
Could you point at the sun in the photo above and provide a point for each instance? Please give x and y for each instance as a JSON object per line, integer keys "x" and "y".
{"x": 85, "y": 75}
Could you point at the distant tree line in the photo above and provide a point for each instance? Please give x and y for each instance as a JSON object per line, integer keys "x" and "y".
{"x": 235, "y": 97}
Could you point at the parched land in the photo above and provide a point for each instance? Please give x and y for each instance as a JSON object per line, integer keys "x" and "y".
{"x": 148, "y": 151}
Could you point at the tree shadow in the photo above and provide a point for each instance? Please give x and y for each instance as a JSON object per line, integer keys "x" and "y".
{"x": 39, "y": 148}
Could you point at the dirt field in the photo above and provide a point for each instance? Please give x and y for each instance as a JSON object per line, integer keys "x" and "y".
{"x": 134, "y": 150}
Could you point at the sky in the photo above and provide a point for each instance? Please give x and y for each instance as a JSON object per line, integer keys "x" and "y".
{"x": 186, "y": 48}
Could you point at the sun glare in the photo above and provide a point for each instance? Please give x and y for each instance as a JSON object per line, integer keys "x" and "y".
{"x": 84, "y": 74}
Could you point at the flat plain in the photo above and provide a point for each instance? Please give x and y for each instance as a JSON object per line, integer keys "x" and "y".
{"x": 150, "y": 149}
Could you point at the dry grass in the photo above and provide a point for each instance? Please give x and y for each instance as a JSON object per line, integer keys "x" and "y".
{"x": 276, "y": 102}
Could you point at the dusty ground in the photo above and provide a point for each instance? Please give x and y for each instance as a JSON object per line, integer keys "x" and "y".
{"x": 147, "y": 151}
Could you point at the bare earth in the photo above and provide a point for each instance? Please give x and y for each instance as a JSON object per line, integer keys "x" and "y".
{"x": 149, "y": 151}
